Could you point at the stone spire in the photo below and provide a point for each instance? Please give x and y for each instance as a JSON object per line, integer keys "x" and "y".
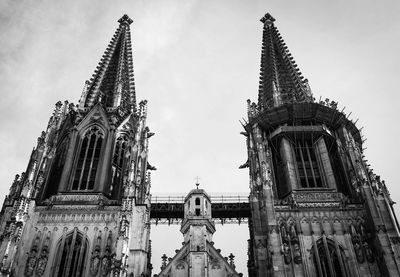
{"x": 280, "y": 80}
{"x": 112, "y": 83}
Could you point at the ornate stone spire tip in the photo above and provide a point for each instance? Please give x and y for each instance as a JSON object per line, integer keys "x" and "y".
{"x": 267, "y": 18}
{"x": 125, "y": 19}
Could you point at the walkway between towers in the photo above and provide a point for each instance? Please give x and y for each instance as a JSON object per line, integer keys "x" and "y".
{"x": 232, "y": 208}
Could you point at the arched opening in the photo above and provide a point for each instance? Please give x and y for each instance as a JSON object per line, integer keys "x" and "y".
{"x": 307, "y": 164}
{"x": 56, "y": 169}
{"x": 197, "y": 201}
{"x": 310, "y": 160}
{"x": 71, "y": 255}
{"x": 88, "y": 160}
{"x": 117, "y": 165}
{"x": 329, "y": 259}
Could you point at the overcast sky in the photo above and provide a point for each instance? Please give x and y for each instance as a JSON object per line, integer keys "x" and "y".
{"x": 197, "y": 62}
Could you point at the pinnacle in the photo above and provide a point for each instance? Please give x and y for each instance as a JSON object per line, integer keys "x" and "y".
{"x": 267, "y": 18}
{"x": 125, "y": 19}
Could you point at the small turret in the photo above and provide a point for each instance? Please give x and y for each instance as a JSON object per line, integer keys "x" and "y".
{"x": 197, "y": 222}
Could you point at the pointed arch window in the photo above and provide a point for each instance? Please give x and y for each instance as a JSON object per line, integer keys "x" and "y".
{"x": 56, "y": 169}
{"x": 121, "y": 146}
{"x": 88, "y": 160}
{"x": 329, "y": 259}
{"x": 71, "y": 255}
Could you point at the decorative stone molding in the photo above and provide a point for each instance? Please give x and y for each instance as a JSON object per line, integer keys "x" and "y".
{"x": 104, "y": 217}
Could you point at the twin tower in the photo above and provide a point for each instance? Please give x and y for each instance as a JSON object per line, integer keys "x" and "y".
{"x": 83, "y": 205}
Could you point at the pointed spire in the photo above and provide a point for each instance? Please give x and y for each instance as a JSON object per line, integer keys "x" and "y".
{"x": 112, "y": 83}
{"x": 280, "y": 80}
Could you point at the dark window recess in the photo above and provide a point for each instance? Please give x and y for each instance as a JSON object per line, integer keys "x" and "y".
{"x": 56, "y": 169}
{"x": 117, "y": 165}
{"x": 197, "y": 212}
{"x": 197, "y": 201}
{"x": 70, "y": 258}
{"x": 337, "y": 167}
{"x": 307, "y": 164}
{"x": 88, "y": 161}
{"x": 331, "y": 263}
{"x": 282, "y": 188}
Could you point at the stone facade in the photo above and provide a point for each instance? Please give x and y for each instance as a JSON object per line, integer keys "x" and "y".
{"x": 317, "y": 208}
{"x": 198, "y": 257}
{"x": 82, "y": 207}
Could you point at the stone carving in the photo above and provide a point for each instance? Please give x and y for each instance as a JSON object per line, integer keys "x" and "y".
{"x": 359, "y": 252}
{"x": 180, "y": 266}
{"x": 106, "y": 260}
{"x": 295, "y": 243}
{"x": 31, "y": 264}
{"x": 359, "y": 237}
{"x": 95, "y": 259}
{"x": 261, "y": 247}
{"x": 44, "y": 256}
{"x": 32, "y": 258}
{"x": 290, "y": 243}
{"x": 286, "y": 252}
{"x": 316, "y": 196}
{"x": 368, "y": 252}
{"x": 105, "y": 264}
{"x": 116, "y": 265}
{"x": 123, "y": 226}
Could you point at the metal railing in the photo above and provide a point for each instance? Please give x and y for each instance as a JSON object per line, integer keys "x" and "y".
{"x": 231, "y": 198}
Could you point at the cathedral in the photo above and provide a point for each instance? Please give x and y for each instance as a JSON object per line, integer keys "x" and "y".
{"x": 83, "y": 206}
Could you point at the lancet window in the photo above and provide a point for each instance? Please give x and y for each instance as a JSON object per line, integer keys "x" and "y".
{"x": 307, "y": 160}
{"x": 197, "y": 203}
{"x": 329, "y": 259}
{"x": 88, "y": 160}
{"x": 71, "y": 255}
{"x": 56, "y": 169}
{"x": 307, "y": 165}
{"x": 118, "y": 163}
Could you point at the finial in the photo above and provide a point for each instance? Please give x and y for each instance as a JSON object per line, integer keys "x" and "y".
{"x": 267, "y": 19}
{"x": 197, "y": 182}
{"x": 125, "y": 19}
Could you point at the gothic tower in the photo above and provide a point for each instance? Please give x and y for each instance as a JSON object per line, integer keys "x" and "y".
{"x": 81, "y": 208}
{"x": 317, "y": 209}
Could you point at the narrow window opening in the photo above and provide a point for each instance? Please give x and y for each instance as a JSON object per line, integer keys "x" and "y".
{"x": 307, "y": 164}
{"x": 197, "y": 212}
{"x": 197, "y": 201}
{"x": 117, "y": 165}
{"x": 88, "y": 161}
{"x": 56, "y": 169}
{"x": 329, "y": 263}
{"x": 71, "y": 255}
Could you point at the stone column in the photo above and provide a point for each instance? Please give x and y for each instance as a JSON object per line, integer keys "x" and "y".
{"x": 286, "y": 152}
{"x": 323, "y": 157}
